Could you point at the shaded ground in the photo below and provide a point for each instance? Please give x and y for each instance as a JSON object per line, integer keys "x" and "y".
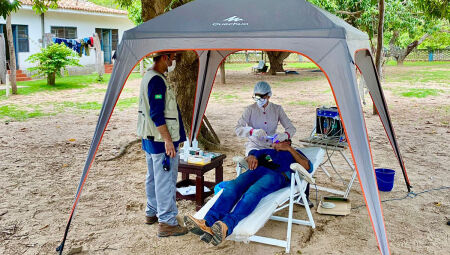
{"x": 42, "y": 159}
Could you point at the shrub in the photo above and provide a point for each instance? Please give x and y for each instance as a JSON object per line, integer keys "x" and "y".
{"x": 51, "y": 59}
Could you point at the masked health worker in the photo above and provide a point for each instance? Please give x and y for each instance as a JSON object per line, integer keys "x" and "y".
{"x": 260, "y": 120}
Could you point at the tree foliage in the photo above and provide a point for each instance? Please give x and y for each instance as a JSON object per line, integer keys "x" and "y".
{"x": 51, "y": 59}
{"x": 134, "y": 12}
{"x": 407, "y": 23}
{"x": 434, "y": 8}
{"x": 41, "y": 6}
{"x": 6, "y": 7}
{"x": 438, "y": 40}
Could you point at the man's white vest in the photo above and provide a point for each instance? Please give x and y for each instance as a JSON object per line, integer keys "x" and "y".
{"x": 146, "y": 128}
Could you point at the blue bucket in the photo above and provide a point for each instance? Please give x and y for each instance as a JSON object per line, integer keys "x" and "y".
{"x": 385, "y": 179}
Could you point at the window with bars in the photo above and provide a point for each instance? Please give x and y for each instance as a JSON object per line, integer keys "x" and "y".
{"x": 64, "y": 32}
{"x": 114, "y": 38}
{"x": 22, "y": 38}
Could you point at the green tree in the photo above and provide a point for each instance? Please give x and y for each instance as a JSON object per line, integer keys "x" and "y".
{"x": 51, "y": 59}
{"x": 438, "y": 40}
{"x": 406, "y": 25}
{"x": 7, "y": 7}
{"x": 134, "y": 12}
{"x": 434, "y": 8}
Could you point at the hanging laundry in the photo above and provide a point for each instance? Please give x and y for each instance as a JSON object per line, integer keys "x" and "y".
{"x": 79, "y": 46}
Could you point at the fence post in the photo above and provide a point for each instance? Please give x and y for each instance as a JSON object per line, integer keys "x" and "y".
{"x": 8, "y": 85}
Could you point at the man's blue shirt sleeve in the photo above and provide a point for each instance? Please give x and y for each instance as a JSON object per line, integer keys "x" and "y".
{"x": 156, "y": 98}
{"x": 255, "y": 153}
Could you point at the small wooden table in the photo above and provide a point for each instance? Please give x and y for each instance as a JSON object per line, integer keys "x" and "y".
{"x": 199, "y": 182}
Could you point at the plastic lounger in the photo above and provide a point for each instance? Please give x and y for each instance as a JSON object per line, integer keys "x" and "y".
{"x": 246, "y": 229}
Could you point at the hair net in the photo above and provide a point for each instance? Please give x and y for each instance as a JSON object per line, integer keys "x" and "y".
{"x": 262, "y": 88}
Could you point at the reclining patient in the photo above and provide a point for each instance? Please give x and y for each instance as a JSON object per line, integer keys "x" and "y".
{"x": 269, "y": 171}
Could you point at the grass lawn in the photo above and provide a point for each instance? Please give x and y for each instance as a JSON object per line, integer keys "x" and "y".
{"x": 13, "y": 112}
{"x": 63, "y": 83}
{"x": 239, "y": 66}
{"x": 415, "y": 92}
{"x": 422, "y": 76}
{"x": 434, "y": 72}
{"x": 305, "y": 65}
{"x": 419, "y": 63}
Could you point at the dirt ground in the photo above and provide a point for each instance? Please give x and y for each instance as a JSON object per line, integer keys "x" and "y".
{"x": 42, "y": 160}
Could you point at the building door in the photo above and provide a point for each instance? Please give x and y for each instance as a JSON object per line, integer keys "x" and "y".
{"x": 14, "y": 32}
{"x": 108, "y": 41}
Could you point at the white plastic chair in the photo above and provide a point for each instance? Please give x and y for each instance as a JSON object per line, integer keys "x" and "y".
{"x": 247, "y": 228}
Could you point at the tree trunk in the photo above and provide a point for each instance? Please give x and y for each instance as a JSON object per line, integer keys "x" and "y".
{"x": 184, "y": 77}
{"x": 379, "y": 44}
{"x": 276, "y": 59}
{"x": 12, "y": 55}
{"x": 153, "y": 8}
{"x": 400, "y": 54}
{"x": 184, "y": 80}
{"x": 380, "y": 37}
{"x": 51, "y": 79}
{"x": 222, "y": 72}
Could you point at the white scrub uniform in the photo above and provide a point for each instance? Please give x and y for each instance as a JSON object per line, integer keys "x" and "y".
{"x": 262, "y": 118}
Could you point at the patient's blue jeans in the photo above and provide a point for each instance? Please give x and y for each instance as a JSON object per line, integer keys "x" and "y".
{"x": 252, "y": 185}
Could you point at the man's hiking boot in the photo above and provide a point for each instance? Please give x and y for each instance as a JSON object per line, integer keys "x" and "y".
{"x": 151, "y": 219}
{"x": 196, "y": 226}
{"x": 219, "y": 230}
{"x": 165, "y": 230}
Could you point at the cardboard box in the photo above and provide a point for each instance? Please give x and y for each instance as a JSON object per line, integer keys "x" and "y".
{"x": 342, "y": 208}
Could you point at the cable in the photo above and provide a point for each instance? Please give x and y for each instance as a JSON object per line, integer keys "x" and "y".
{"x": 332, "y": 166}
{"x": 408, "y": 195}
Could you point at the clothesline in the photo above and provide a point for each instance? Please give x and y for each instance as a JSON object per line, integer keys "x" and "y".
{"x": 80, "y": 46}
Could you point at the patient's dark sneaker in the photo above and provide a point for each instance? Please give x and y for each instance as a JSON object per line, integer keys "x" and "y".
{"x": 196, "y": 226}
{"x": 311, "y": 205}
{"x": 165, "y": 230}
{"x": 219, "y": 230}
{"x": 151, "y": 219}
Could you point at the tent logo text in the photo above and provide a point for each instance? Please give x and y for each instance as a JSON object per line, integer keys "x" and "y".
{"x": 231, "y": 21}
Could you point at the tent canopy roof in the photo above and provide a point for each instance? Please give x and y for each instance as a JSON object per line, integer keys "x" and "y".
{"x": 252, "y": 18}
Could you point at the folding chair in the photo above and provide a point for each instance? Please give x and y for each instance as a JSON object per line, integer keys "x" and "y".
{"x": 247, "y": 228}
{"x": 260, "y": 68}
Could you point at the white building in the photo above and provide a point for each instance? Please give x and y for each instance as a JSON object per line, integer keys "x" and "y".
{"x": 73, "y": 19}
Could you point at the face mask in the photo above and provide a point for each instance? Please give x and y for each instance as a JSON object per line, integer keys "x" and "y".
{"x": 261, "y": 102}
{"x": 172, "y": 67}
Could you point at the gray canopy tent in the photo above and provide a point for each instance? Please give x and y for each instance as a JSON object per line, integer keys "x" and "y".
{"x": 217, "y": 28}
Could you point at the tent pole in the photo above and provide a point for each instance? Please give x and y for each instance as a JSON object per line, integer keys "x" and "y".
{"x": 202, "y": 89}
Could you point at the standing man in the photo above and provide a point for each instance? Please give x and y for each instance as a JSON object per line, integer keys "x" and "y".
{"x": 161, "y": 128}
{"x": 261, "y": 119}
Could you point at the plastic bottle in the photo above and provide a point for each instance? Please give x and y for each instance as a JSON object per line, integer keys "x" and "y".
{"x": 195, "y": 144}
{"x": 186, "y": 150}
